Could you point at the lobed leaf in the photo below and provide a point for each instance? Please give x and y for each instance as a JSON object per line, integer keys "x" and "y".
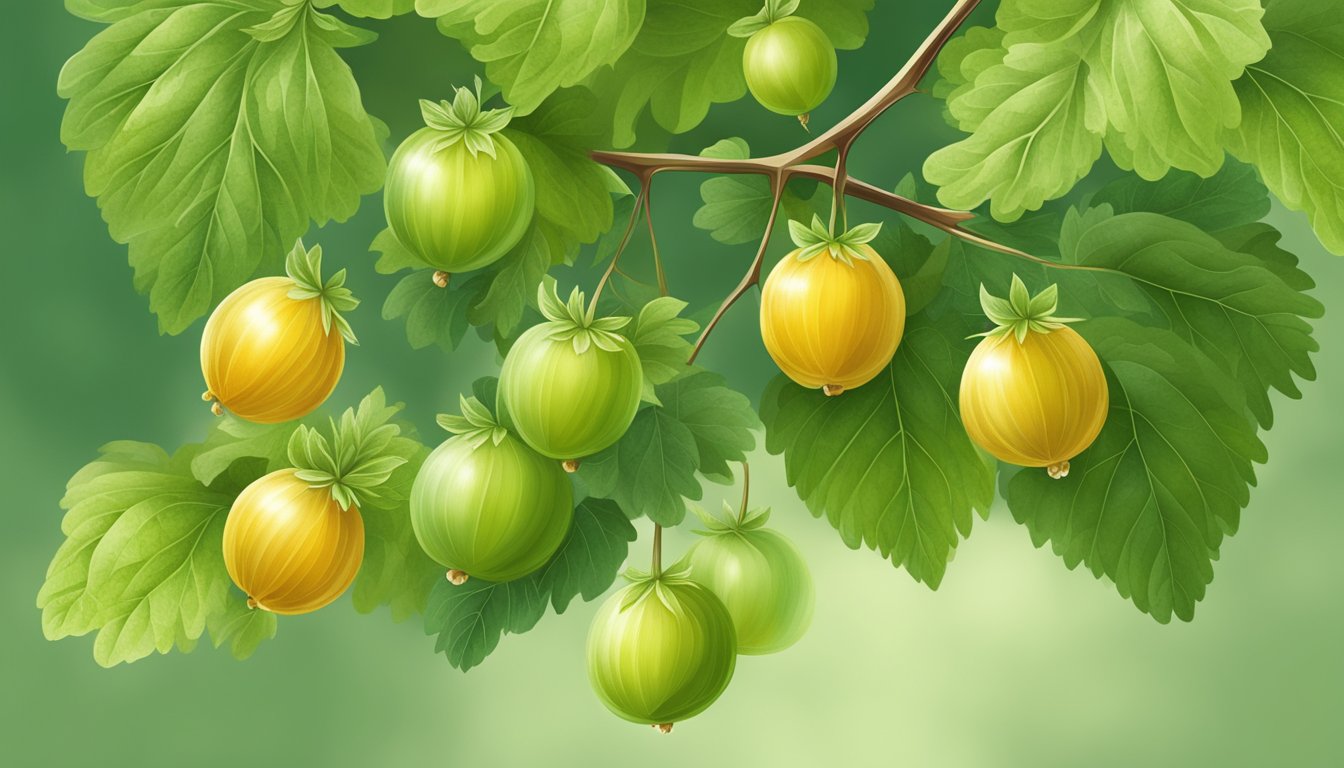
{"x": 214, "y": 132}
{"x": 531, "y": 48}
{"x": 1292, "y": 105}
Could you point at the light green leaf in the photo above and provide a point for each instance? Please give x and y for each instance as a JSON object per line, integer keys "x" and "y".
{"x": 1148, "y": 504}
{"x": 959, "y": 64}
{"x": 1232, "y": 197}
{"x": 1162, "y": 70}
{"x": 1293, "y": 106}
{"x": 1233, "y": 307}
{"x": 242, "y": 628}
{"x": 196, "y": 159}
{"x": 1033, "y": 146}
{"x": 142, "y": 563}
{"x": 233, "y": 439}
{"x": 531, "y": 48}
{"x": 371, "y": 9}
{"x": 888, "y": 464}
{"x": 393, "y": 256}
{"x": 660, "y": 336}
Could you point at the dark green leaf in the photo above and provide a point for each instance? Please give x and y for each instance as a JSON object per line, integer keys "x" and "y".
{"x": 433, "y": 315}
{"x": 588, "y": 561}
{"x": 470, "y": 619}
{"x": 1232, "y": 197}
{"x": 650, "y": 470}
{"x": 1233, "y": 307}
{"x": 888, "y": 464}
{"x": 721, "y": 420}
{"x": 1149, "y": 503}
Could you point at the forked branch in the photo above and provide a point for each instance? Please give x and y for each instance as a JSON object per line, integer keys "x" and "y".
{"x": 840, "y": 139}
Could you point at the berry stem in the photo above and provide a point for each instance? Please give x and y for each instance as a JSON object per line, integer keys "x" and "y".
{"x": 625, "y": 240}
{"x": 653, "y": 242}
{"x": 746, "y": 492}
{"x": 656, "y": 564}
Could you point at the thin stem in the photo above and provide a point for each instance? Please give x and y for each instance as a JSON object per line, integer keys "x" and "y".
{"x": 753, "y": 275}
{"x": 746, "y": 492}
{"x": 656, "y": 564}
{"x": 653, "y": 241}
{"x": 625, "y": 240}
{"x": 838, "y": 190}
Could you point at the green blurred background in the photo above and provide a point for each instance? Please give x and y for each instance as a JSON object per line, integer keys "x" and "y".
{"x": 1014, "y": 661}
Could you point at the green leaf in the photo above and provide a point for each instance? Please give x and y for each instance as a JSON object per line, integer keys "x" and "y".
{"x": 395, "y": 572}
{"x": 1233, "y": 307}
{"x": 196, "y": 162}
{"x": 959, "y": 64}
{"x": 1232, "y": 197}
{"x": 142, "y": 563}
{"x": 531, "y": 48}
{"x": 650, "y": 470}
{"x": 587, "y": 563}
{"x": 242, "y": 628}
{"x": 888, "y": 464}
{"x": 470, "y": 619}
{"x": 1162, "y": 70}
{"x": 514, "y": 279}
{"x": 1148, "y": 504}
{"x": 1153, "y": 80}
{"x": 700, "y": 426}
{"x": 233, "y": 439}
{"x": 1292, "y": 106}
{"x": 720, "y": 419}
{"x": 683, "y": 60}
{"x": 659, "y": 334}
{"x": 1035, "y": 143}
{"x": 371, "y": 9}
{"x": 434, "y": 315}
{"x": 737, "y": 207}
{"x": 573, "y": 192}
{"x": 393, "y": 256}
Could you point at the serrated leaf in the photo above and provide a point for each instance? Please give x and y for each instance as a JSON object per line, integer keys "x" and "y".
{"x": 659, "y": 336}
{"x": 1033, "y": 146}
{"x": 243, "y": 629}
{"x": 737, "y": 207}
{"x": 395, "y": 572}
{"x": 1148, "y": 504}
{"x": 650, "y": 470}
{"x": 587, "y": 563}
{"x": 470, "y": 619}
{"x": 1232, "y": 197}
{"x": 142, "y": 563}
{"x": 531, "y": 48}
{"x": 195, "y": 162}
{"x": 959, "y": 63}
{"x": 514, "y": 279}
{"x": 1231, "y": 306}
{"x": 889, "y": 464}
{"x": 1162, "y": 70}
{"x": 573, "y": 191}
{"x": 720, "y": 419}
{"x": 433, "y": 315}
{"x": 1292, "y": 105}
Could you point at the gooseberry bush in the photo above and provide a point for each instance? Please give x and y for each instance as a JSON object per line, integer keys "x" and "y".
{"x": 1097, "y": 343}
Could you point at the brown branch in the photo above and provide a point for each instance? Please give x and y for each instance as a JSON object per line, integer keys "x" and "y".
{"x": 841, "y": 137}
{"x": 753, "y": 275}
{"x": 903, "y": 84}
